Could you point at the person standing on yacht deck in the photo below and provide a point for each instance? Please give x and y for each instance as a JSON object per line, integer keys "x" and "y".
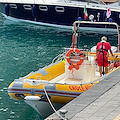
{"x": 102, "y": 55}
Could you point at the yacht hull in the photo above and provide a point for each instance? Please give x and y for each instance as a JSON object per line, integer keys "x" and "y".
{"x": 56, "y": 15}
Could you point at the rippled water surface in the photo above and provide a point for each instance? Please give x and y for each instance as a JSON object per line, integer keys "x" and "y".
{"x": 25, "y": 48}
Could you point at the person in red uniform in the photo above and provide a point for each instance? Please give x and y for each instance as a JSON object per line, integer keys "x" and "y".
{"x": 102, "y": 54}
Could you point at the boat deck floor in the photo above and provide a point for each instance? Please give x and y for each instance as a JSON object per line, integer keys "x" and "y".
{"x": 62, "y": 80}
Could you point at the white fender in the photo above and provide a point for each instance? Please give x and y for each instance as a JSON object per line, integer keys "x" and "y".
{"x": 32, "y": 98}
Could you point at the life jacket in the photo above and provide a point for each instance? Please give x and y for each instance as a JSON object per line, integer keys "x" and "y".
{"x": 102, "y": 49}
{"x": 102, "y": 53}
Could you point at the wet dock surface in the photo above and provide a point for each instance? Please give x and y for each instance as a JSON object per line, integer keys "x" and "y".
{"x": 101, "y": 102}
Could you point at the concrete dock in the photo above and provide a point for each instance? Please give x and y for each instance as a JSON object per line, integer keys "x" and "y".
{"x": 101, "y": 102}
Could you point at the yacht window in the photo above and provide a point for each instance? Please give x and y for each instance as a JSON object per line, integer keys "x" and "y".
{"x": 59, "y": 9}
{"x": 43, "y": 8}
{"x": 13, "y": 6}
{"x": 27, "y": 7}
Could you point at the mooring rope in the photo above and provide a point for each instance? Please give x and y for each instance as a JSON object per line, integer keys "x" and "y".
{"x": 52, "y": 105}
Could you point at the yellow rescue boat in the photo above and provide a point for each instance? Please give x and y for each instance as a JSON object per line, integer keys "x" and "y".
{"x": 72, "y": 73}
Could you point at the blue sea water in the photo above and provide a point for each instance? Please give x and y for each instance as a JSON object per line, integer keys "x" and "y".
{"x": 26, "y": 47}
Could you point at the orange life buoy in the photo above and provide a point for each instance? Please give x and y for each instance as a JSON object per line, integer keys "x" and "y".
{"x": 75, "y": 65}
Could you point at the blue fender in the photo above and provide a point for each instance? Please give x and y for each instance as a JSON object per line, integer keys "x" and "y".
{"x": 104, "y": 16}
{"x": 7, "y": 9}
{"x": 34, "y": 11}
